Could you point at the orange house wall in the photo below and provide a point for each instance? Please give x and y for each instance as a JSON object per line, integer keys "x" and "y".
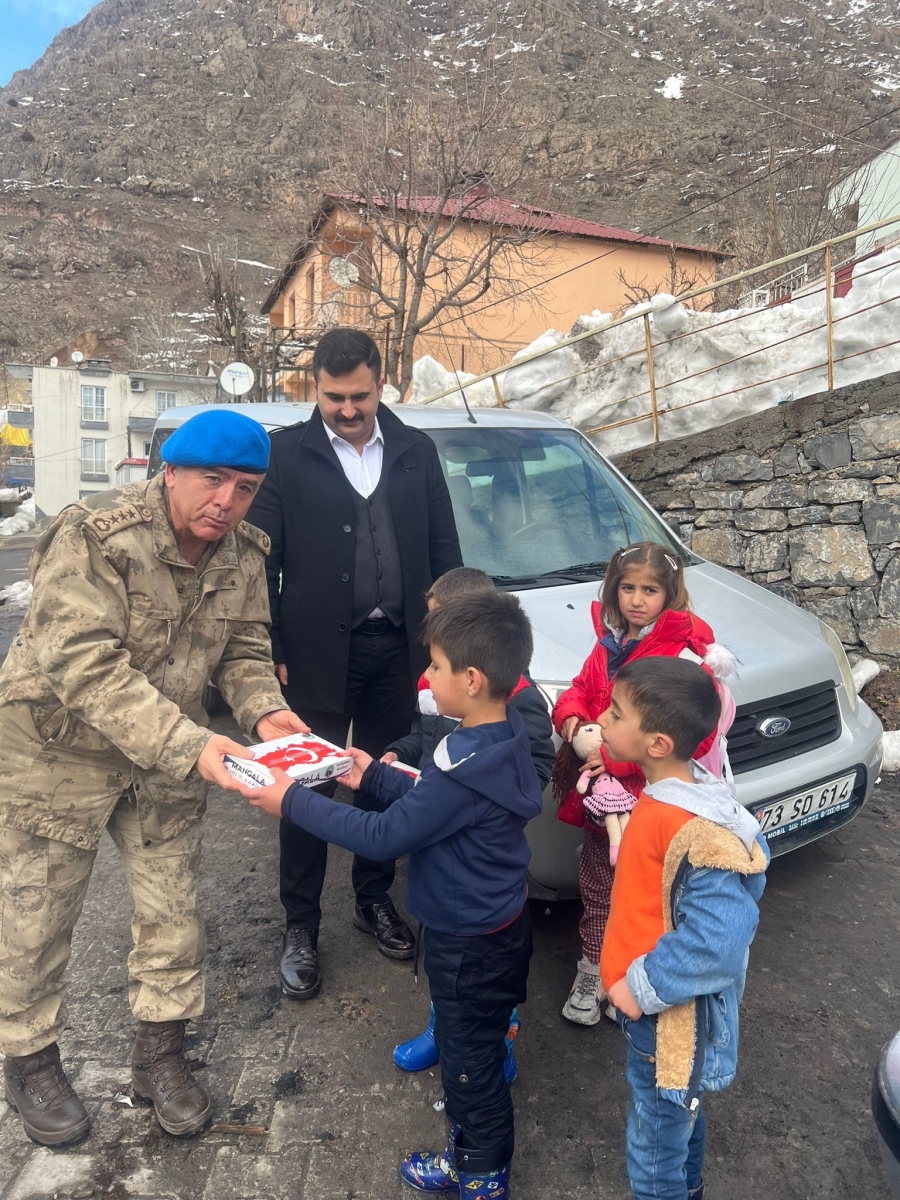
{"x": 582, "y": 274}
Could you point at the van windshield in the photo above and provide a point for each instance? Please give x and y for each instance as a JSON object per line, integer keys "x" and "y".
{"x": 538, "y": 507}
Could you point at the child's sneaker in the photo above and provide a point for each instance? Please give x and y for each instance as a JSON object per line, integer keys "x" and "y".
{"x": 584, "y": 1005}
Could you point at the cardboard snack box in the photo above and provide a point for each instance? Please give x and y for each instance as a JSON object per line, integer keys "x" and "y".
{"x": 305, "y": 757}
{"x": 407, "y": 770}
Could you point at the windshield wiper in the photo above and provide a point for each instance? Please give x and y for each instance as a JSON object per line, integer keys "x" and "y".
{"x": 579, "y": 569}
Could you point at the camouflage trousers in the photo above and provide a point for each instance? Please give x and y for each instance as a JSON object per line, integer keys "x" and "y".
{"x": 43, "y": 884}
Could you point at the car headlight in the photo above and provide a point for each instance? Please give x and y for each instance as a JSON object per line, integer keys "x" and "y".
{"x": 837, "y": 649}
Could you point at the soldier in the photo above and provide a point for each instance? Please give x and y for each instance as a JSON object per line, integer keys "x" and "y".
{"x": 142, "y": 596}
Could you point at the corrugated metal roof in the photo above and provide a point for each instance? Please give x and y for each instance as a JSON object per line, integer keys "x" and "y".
{"x": 495, "y": 211}
{"x": 489, "y": 209}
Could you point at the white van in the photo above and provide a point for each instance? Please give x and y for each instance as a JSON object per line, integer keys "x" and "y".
{"x": 540, "y": 510}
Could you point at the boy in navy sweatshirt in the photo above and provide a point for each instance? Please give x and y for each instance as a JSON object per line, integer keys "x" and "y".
{"x": 463, "y": 827}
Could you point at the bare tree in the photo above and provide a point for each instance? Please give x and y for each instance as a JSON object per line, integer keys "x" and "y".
{"x": 423, "y": 175}
{"x": 161, "y": 340}
{"x": 791, "y": 176}
{"x": 678, "y": 279}
{"x": 228, "y": 324}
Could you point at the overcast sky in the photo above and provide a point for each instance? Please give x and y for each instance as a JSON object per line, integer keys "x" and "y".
{"x": 27, "y": 27}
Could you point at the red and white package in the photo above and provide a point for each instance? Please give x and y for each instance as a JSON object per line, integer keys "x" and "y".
{"x": 407, "y": 770}
{"x": 305, "y": 757}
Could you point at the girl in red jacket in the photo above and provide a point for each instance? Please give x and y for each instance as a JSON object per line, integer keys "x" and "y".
{"x": 643, "y": 612}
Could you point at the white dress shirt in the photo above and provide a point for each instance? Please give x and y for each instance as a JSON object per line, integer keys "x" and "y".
{"x": 363, "y": 471}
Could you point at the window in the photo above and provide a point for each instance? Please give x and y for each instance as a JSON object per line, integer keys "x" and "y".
{"x": 93, "y": 456}
{"x": 541, "y": 504}
{"x": 84, "y": 495}
{"x": 147, "y": 448}
{"x": 311, "y": 291}
{"x": 165, "y": 400}
{"x": 93, "y": 403}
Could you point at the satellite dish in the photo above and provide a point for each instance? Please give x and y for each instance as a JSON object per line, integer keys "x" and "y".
{"x": 237, "y": 378}
{"x": 77, "y": 356}
{"x": 54, "y": 361}
{"x": 329, "y": 314}
{"x": 343, "y": 271}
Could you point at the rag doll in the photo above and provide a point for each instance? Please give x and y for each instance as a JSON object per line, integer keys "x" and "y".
{"x": 606, "y": 802}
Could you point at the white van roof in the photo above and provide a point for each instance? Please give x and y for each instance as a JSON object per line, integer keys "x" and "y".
{"x": 419, "y": 416}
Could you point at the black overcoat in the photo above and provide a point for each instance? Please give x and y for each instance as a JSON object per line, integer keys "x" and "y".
{"x": 306, "y": 506}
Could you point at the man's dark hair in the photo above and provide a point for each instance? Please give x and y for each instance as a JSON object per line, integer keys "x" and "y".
{"x": 461, "y": 581}
{"x": 341, "y": 351}
{"x": 485, "y": 630}
{"x": 675, "y": 697}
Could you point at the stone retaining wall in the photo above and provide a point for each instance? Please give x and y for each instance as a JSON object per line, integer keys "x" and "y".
{"x": 803, "y": 499}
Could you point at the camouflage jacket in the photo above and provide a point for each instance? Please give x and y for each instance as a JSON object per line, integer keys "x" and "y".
{"x": 102, "y": 688}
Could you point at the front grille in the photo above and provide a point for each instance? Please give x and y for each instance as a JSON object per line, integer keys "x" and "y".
{"x": 815, "y": 721}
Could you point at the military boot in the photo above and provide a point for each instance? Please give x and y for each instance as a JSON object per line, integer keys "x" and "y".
{"x": 160, "y": 1074}
{"x": 37, "y": 1088}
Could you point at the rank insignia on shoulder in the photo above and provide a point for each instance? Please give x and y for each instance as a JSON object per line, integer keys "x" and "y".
{"x": 105, "y": 523}
{"x": 256, "y": 536}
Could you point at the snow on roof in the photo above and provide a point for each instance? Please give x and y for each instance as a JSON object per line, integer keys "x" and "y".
{"x": 489, "y": 209}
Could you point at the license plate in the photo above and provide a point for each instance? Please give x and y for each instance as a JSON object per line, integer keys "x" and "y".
{"x": 793, "y": 812}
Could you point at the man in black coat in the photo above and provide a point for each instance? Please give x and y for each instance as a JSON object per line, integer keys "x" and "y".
{"x": 361, "y": 523}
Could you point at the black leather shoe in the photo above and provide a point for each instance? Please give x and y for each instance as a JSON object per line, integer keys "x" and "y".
{"x": 301, "y": 977}
{"x": 395, "y": 938}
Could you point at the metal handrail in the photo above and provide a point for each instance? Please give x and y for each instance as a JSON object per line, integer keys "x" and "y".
{"x": 642, "y": 313}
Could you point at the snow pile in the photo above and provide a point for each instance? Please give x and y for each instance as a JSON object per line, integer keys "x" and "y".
{"x": 710, "y": 367}
{"x": 430, "y": 379}
{"x": 17, "y": 595}
{"x": 864, "y": 671}
{"x": 672, "y": 88}
{"x": 890, "y": 743}
{"x": 22, "y": 522}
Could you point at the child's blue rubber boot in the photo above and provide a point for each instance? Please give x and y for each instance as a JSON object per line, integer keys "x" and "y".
{"x": 429, "y": 1172}
{"x": 420, "y": 1053}
{"x": 491, "y": 1185}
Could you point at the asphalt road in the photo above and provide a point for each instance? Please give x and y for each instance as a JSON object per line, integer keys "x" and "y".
{"x": 335, "y": 1115}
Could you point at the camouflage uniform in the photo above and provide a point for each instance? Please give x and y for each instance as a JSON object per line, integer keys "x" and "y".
{"x": 101, "y": 723}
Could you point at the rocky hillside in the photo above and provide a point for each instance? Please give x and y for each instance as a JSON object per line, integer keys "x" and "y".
{"x": 159, "y": 124}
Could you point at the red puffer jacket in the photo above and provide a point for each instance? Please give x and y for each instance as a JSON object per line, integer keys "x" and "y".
{"x": 591, "y": 689}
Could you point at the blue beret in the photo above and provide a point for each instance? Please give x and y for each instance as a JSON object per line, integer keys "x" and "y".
{"x": 219, "y": 438}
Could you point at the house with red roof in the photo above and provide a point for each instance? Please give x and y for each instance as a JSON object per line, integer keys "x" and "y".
{"x": 553, "y": 268}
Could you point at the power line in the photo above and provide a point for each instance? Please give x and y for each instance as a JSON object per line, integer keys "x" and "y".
{"x": 667, "y": 224}
{"x": 625, "y": 40}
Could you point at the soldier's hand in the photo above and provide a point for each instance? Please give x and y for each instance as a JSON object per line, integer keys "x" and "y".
{"x": 210, "y": 764}
{"x": 281, "y": 673}
{"x": 268, "y": 798}
{"x": 279, "y": 724}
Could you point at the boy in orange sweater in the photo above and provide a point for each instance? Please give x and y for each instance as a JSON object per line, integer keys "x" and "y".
{"x": 690, "y": 874}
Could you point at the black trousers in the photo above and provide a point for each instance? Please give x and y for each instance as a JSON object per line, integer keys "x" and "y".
{"x": 475, "y": 984}
{"x": 380, "y": 701}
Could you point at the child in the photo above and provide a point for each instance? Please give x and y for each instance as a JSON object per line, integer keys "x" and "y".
{"x": 643, "y": 611}
{"x": 684, "y": 911}
{"x": 463, "y": 827}
{"x": 429, "y": 727}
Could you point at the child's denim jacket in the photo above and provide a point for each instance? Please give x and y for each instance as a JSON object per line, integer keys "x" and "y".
{"x": 690, "y": 984}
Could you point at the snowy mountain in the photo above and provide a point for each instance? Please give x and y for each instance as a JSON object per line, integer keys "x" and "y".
{"x": 157, "y": 124}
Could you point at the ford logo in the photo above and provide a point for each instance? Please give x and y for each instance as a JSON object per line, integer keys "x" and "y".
{"x": 773, "y": 727}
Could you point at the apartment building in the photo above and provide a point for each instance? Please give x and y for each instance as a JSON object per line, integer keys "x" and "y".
{"x": 92, "y": 425}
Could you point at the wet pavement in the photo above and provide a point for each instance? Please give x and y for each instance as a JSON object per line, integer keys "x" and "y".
{"x": 308, "y": 1104}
